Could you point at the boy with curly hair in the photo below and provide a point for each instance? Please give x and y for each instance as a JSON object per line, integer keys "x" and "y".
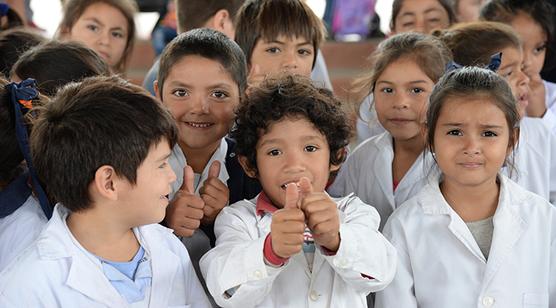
{"x": 293, "y": 245}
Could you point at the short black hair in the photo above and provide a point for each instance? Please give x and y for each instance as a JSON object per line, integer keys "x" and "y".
{"x": 290, "y": 96}
{"x": 56, "y": 63}
{"x": 206, "y": 43}
{"x": 194, "y": 14}
{"x": 13, "y": 43}
{"x": 99, "y": 121}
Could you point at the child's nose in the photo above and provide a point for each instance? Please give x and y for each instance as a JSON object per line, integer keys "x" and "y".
{"x": 290, "y": 60}
{"x": 200, "y": 105}
{"x": 294, "y": 163}
{"x": 472, "y": 146}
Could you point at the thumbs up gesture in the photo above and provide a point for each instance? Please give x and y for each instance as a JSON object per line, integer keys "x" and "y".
{"x": 288, "y": 225}
{"x": 321, "y": 215}
{"x": 185, "y": 212}
{"x": 214, "y": 193}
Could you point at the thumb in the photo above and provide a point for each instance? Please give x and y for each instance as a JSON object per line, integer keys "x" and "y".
{"x": 214, "y": 169}
{"x": 188, "y": 178}
{"x": 292, "y": 195}
{"x": 305, "y": 186}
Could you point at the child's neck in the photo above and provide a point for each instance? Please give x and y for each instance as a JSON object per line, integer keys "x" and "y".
{"x": 198, "y": 158}
{"x": 472, "y": 203}
{"x": 405, "y": 155}
{"x": 103, "y": 236}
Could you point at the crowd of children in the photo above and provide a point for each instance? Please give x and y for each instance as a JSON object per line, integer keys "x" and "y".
{"x": 227, "y": 179}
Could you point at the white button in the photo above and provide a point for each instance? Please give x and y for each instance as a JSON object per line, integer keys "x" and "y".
{"x": 488, "y": 301}
{"x": 258, "y": 274}
{"x": 313, "y": 295}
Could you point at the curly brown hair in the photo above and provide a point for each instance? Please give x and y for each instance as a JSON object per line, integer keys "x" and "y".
{"x": 290, "y": 96}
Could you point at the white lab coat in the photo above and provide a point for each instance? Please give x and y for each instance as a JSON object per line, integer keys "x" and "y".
{"x": 368, "y": 173}
{"x": 441, "y": 265}
{"x": 535, "y": 159}
{"x": 549, "y": 117}
{"x": 56, "y": 271}
{"x": 336, "y": 281}
{"x": 20, "y": 229}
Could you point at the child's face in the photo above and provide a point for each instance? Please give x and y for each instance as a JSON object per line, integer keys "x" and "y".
{"x": 401, "y": 94}
{"x": 421, "y": 16}
{"x": 510, "y": 69}
{"x": 292, "y": 148}
{"x": 534, "y": 43}
{"x": 102, "y": 28}
{"x": 147, "y": 199}
{"x": 469, "y": 10}
{"x": 202, "y": 96}
{"x": 284, "y": 54}
{"x": 471, "y": 141}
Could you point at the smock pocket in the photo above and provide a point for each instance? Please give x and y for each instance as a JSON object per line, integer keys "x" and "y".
{"x": 535, "y": 300}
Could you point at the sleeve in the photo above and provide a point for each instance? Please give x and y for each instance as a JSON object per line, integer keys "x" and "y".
{"x": 365, "y": 259}
{"x": 235, "y": 271}
{"x": 552, "y": 161}
{"x": 401, "y": 292}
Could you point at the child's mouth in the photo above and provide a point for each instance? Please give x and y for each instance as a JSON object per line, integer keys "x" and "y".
{"x": 199, "y": 124}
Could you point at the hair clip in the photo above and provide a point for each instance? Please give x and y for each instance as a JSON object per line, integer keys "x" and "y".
{"x": 4, "y": 8}
{"x": 21, "y": 95}
{"x": 495, "y": 61}
{"x": 452, "y": 65}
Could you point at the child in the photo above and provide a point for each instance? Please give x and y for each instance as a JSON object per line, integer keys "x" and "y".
{"x": 290, "y": 136}
{"x": 9, "y": 18}
{"x": 533, "y": 21}
{"x": 468, "y": 10}
{"x": 13, "y": 43}
{"x": 387, "y": 169}
{"x": 218, "y": 15}
{"x": 422, "y": 16}
{"x": 55, "y": 63}
{"x": 103, "y": 246}
{"x": 473, "y": 237}
{"x": 106, "y": 26}
{"x": 536, "y": 150}
{"x": 278, "y": 36}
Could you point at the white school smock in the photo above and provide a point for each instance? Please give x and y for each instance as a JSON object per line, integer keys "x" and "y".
{"x": 535, "y": 159}
{"x": 55, "y": 271}
{"x": 20, "y": 229}
{"x": 336, "y": 281}
{"x": 549, "y": 116}
{"x": 367, "y": 172}
{"x": 441, "y": 265}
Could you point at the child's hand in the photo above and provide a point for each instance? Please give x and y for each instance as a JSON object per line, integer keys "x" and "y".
{"x": 321, "y": 214}
{"x": 184, "y": 213}
{"x": 288, "y": 225}
{"x": 214, "y": 193}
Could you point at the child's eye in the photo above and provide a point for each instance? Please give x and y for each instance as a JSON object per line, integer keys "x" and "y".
{"x": 163, "y": 165}
{"x": 408, "y": 24}
{"x": 539, "y": 49}
{"x": 219, "y": 94}
{"x": 417, "y": 90}
{"x": 274, "y": 152}
{"x": 117, "y": 34}
{"x": 305, "y": 52}
{"x": 92, "y": 27}
{"x": 455, "y": 132}
{"x": 387, "y": 90}
{"x": 311, "y": 148}
{"x": 489, "y": 134}
{"x": 273, "y": 50}
{"x": 507, "y": 74}
{"x": 180, "y": 93}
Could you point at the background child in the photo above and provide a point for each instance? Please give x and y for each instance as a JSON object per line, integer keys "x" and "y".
{"x": 55, "y": 64}
{"x": 103, "y": 246}
{"x": 533, "y": 21}
{"x": 465, "y": 238}
{"x": 13, "y": 43}
{"x": 474, "y": 44}
{"x": 218, "y": 15}
{"x": 106, "y": 26}
{"x": 290, "y": 136}
{"x": 387, "y": 169}
{"x": 9, "y": 18}
{"x": 278, "y": 36}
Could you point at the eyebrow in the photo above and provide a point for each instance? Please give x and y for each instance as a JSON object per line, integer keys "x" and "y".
{"x": 178, "y": 83}
{"x": 284, "y": 43}
{"x": 490, "y": 126}
{"x": 165, "y": 157}
{"x": 100, "y": 23}
{"x": 508, "y": 65}
{"x": 411, "y": 82}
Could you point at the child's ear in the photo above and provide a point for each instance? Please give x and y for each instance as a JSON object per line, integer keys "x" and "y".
{"x": 104, "y": 183}
{"x": 156, "y": 90}
{"x": 221, "y": 21}
{"x": 244, "y": 162}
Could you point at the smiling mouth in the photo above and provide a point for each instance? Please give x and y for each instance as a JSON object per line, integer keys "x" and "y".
{"x": 199, "y": 124}
{"x": 471, "y": 165}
